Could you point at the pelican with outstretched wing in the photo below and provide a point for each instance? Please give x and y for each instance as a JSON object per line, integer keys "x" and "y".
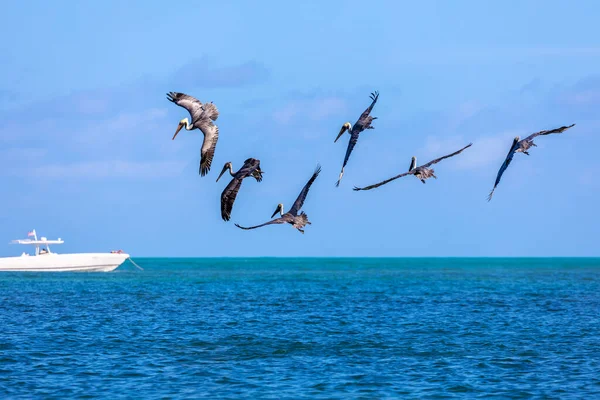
{"x": 364, "y": 122}
{"x": 251, "y": 168}
{"x": 203, "y": 116}
{"x": 422, "y": 172}
{"x": 292, "y": 217}
{"x": 522, "y": 146}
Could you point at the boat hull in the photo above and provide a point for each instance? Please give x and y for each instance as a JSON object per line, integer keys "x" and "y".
{"x": 85, "y": 262}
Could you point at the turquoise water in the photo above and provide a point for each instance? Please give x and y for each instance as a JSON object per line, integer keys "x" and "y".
{"x": 305, "y": 328}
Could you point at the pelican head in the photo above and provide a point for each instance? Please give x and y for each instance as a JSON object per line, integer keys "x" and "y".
{"x": 227, "y": 166}
{"x": 345, "y": 127}
{"x": 182, "y": 123}
{"x": 515, "y": 143}
{"x": 279, "y": 210}
{"x": 413, "y": 163}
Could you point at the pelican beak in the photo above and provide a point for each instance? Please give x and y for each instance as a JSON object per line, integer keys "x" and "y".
{"x": 345, "y": 127}
{"x": 338, "y": 136}
{"x": 178, "y": 129}
{"x": 222, "y": 172}
{"x": 276, "y": 210}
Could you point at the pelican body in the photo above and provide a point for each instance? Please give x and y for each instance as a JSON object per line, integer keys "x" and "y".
{"x": 422, "y": 172}
{"x": 364, "y": 122}
{"x": 251, "y": 168}
{"x": 203, "y": 116}
{"x": 292, "y": 217}
{"x": 522, "y": 146}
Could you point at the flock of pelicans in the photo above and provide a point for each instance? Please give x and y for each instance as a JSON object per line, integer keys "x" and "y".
{"x": 204, "y": 114}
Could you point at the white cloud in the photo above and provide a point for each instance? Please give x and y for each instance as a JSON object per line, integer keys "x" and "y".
{"x": 285, "y": 114}
{"x": 460, "y": 56}
{"x": 465, "y": 111}
{"x": 67, "y": 148}
{"x": 486, "y": 150}
{"x": 315, "y": 109}
{"x": 202, "y": 74}
{"x": 89, "y": 104}
{"x": 588, "y": 176}
{"x": 21, "y": 155}
{"x": 135, "y": 120}
{"x": 120, "y": 127}
{"x": 584, "y": 97}
{"x": 102, "y": 169}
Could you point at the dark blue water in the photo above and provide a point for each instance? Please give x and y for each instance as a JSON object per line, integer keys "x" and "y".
{"x": 305, "y": 328}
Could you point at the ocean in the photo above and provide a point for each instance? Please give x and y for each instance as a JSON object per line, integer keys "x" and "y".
{"x": 305, "y": 328}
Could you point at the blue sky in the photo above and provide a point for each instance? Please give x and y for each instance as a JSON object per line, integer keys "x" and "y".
{"x": 85, "y": 129}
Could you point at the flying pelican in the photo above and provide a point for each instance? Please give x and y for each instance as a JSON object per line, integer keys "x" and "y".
{"x": 203, "y": 116}
{"x": 422, "y": 172}
{"x": 251, "y": 168}
{"x": 364, "y": 122}
{"x": 522, "y": 146}
{"x": 292, "y": 217}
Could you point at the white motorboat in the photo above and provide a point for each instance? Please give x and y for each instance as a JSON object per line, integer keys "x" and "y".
{"x": 45, "y": 260}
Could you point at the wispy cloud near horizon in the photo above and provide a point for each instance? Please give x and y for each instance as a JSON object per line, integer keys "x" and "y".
{"x": 108, "y": 125}
{"x": 486, "y": 150}
{"x": 313, "y": 109}
{"x": 100, "y": 169}
{"x": 202, "y": 73}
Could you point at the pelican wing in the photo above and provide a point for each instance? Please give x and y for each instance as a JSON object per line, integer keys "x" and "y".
{"x": 210, "y": 111}
{"x": 254, "y": 169}
{"x": 302, "y": 196}
{"x": 251, "y": 167}
{"x": 192, "y": 104}
{"x": 386, "y": 181}
{"x": 257, "y": 174}
{"x": 557, "y": 130}
{"x": 211, "y": 136}
{"x": 205, "y": 123}
{"x": 351, "y": 144}
{"x": 437, "y": 160}
{"x": 228, "y": 197}
{"x": 279, "y": 220}
{"x": 365, "y": 114}
{"x": 505, "y": 164}
{"x": 230, "y": 192}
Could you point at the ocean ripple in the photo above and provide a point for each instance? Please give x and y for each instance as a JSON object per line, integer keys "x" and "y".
{"x": 305, "y": 328}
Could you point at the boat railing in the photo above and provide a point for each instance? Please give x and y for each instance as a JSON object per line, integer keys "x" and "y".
{"x": 38, "y": 242}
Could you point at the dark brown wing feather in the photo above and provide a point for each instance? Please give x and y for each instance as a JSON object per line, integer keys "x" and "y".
{"x": 207, "y": 152}
{"x": 190, "y": 103}
{"x": 250, "y": 168}
{"x": 384, "y": 182}
{"x": 257, "y": 174}
{"x": 230, "y": 192}
{"x": 228, "y": 197}
{"x": 275, "y": 221}
{"x": 302, "y": 196}
{"x": 505, "y": 164}
{"x": 437, "y": 160}
{"x": 365, "y": 114}
{"x": 351, "y": 144}
{"x": 210, "y": 110}
{"x": 358, "y": 127}
{"x": 557, "y": 130}
{"x": 205, "y": 123}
